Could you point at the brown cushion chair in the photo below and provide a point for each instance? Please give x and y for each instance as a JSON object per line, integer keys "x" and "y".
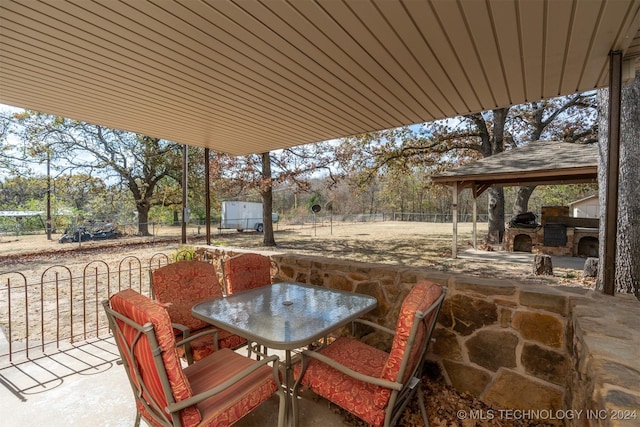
{"x": 370, "y": 383}
{"x": 178, "y": 287}
{"x": 218, "y": 390}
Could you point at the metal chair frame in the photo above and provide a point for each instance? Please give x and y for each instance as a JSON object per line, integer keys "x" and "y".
{"x": 401, "y": 393}
{"x": 173, "y": 408}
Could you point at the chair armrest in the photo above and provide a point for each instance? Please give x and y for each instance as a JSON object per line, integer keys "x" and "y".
{"x": 179, "y": 326}
{"x": 350, "y": 372}
{"x": 187, "y": 338}
{"x": 190, "y": 338}
{"x": 178, "y": 406}
{"x": 375, "y": 326}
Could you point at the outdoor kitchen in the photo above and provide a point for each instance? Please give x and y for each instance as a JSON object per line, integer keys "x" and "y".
{"x": 557, "y": 233}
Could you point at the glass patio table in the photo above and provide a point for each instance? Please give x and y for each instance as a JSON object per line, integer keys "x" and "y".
{"x": 285, "y": 316}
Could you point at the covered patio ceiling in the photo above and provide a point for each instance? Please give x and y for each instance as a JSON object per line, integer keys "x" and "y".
{"x": 249, "y": 76}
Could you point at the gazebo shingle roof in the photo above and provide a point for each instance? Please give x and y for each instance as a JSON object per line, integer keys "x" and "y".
{"x": 537, "y": 163}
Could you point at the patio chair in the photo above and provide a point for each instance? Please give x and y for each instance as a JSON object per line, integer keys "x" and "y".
{"x": 246, "y": 271}
{"x": 217, "y": 390}
{"x": 370, "y": 383}
{"x": 179, "y": 286}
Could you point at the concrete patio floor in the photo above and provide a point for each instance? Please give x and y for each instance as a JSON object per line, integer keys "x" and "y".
{"x": 82, "y": 385}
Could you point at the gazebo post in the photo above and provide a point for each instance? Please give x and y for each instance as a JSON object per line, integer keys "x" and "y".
{"x": 475, "y": 223}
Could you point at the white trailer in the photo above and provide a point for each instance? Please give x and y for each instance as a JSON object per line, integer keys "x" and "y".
{"x": 243, "y": 216}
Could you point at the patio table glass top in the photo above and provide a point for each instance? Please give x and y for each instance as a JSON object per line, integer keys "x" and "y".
{"x": 285, "y": 316}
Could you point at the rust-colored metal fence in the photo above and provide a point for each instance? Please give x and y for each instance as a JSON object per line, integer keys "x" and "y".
{"x": 63, "y": 304}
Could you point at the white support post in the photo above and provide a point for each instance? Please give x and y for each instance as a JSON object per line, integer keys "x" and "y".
{"x": 475, "y": 215}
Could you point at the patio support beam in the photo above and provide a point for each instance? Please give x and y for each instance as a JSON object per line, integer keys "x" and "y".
{"x": 613, "y": 172}
{"x": 207, "y": 196}
{"x": 185, "y": 162}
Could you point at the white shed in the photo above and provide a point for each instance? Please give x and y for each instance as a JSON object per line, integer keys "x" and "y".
{"x": 589, "y": 207}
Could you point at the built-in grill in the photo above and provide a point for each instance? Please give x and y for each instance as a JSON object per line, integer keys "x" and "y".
{"x": 555, "y": 234}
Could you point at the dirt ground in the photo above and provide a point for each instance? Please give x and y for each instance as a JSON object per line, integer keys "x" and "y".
{"x": 411, "y": 244}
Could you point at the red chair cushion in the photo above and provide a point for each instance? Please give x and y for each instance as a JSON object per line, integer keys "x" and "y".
{"x": 354, "y": 396}
{"x": 420, "y": 298}
{"x": 142, "y": 310}
{"x": 229, "y": 406}
{"x": 181, "y": 285}
{"x": 247, "y": 271}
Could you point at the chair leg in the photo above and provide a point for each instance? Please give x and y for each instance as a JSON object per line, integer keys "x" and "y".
{"x": 294, "y": 404}
{"x": 258, "y": 350}
{"x": 249, "y": 349}
{"x": 137, "y": 423}
{"x": 423, "y": 409}
{"x": 282, "y": 408}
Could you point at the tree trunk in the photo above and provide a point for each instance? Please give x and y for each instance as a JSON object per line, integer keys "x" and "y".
{"x": 494, "y": 144}
{"x": 590, "y": 267}
{"x": 521, "y": 205}
{"x": 627, "y": 267}
{"x": 542, "y": 265}
{"x": 266, "y": 190}
{"x": 496, "y": 215}
{"x": 143, "y": 218}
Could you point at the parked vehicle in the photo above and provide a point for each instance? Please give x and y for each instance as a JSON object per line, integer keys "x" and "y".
{"x": 105, "y": 233}
{"x": 243, "y": 215}
{"x": 82, "y": 235}
{"x": 79, "y": 235}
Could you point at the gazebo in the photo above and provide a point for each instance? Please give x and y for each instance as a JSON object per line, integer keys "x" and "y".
{"x": 538, "y": 163}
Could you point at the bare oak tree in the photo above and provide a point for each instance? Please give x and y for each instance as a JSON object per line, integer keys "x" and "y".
{"x": 137, "y": 162}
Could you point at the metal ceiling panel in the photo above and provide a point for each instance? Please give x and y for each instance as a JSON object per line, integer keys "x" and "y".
{"x": 253, "y": 76}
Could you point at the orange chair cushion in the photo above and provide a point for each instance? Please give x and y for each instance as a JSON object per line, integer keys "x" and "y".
{"x": 247, "y": 271}
{"x": 142, "y": 310}
{"x": 354, "y": 396}
{"x": 420, "y": 298}
{"x": 181, "y": 285}
{"x": 229, "y": 406}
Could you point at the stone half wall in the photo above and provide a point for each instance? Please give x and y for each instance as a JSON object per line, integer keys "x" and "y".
{"x": 512, "y": 345}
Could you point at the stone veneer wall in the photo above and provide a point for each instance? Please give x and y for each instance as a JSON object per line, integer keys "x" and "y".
{"x": 604, "y": 339}
{"x": 512, "y": 345}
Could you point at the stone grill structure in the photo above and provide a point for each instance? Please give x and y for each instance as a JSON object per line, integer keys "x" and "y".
{"x": 514, "y": 346}
{"x": 558, "y": 234}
